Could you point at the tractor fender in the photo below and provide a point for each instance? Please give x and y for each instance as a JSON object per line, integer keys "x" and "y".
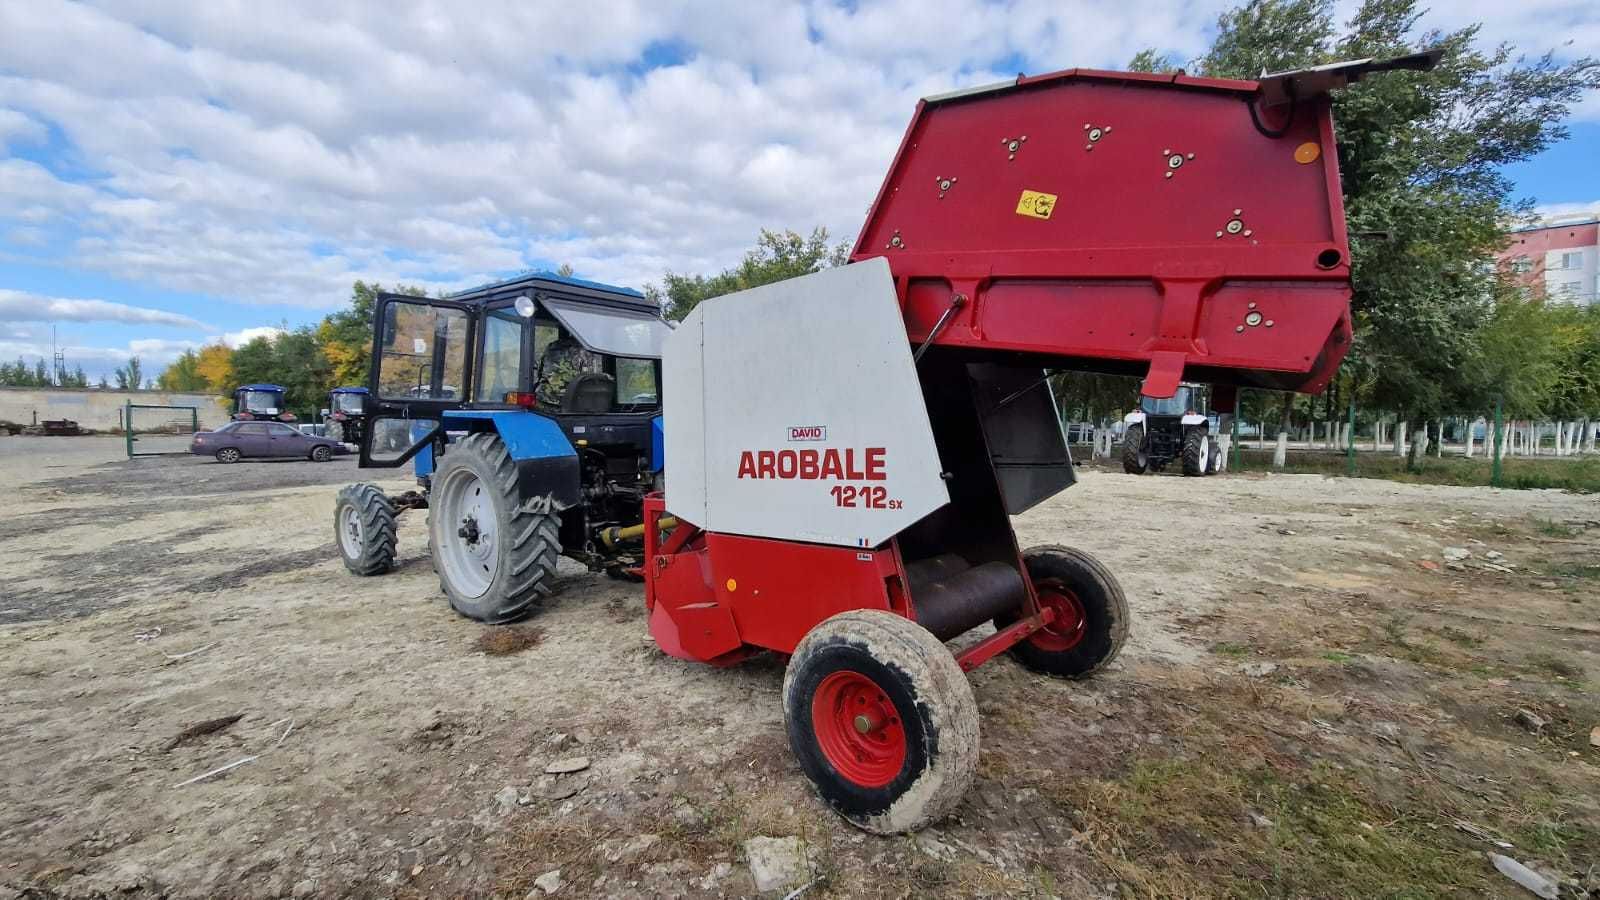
{"x": 1134, "y": 418}
{"x": 1194, "y": 419}
{"x": 547, "y": 464}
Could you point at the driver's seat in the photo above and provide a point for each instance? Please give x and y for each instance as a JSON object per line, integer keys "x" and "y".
{"x": 590, "y": 392}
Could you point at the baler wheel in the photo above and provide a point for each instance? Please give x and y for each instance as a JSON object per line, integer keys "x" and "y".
{"x": 495, "y": 551}
{"x": 364, "y": 529}
{"x": 1135, "y": 459}
{"x": 882, "y": 720}
{"x": 1196, "y": 451}
{"x": 1091, "y": 611}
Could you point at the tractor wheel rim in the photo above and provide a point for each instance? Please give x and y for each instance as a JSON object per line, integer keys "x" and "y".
{"x": 469, "y": 560}
{"x": 1067, "y": 629}
{"x": 350, "y": 529}
{"x": 858, "y": 729}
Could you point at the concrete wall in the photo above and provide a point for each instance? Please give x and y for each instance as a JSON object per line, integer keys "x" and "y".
{"x": 102, "y": 410}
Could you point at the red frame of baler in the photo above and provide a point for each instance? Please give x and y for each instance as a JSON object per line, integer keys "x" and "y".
{"x": 733, "y": 596}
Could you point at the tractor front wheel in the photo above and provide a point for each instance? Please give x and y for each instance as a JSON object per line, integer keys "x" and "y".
{"x": 1196, "y": 451}
{"x": 1135, "y": 458}
{"x": 882, "y": 720}
{"x": 494, "y": 551}
{"x": 364, "y": 528}
{"x": 1091, "y": 614}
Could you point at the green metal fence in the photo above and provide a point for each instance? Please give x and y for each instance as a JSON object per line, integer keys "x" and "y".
{"x": 162, "y": 430}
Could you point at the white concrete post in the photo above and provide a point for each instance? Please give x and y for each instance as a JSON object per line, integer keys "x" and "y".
{"x": 1400, "y": 438}
{"x": 1472, "y": 427}
{"x": 1280, "y": 454}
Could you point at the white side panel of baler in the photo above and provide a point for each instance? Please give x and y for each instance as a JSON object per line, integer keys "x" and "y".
{"x": 801, "y": 369}
{"x": 683, "y": 419}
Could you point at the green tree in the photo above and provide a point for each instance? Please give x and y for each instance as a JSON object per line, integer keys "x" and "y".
{"x": 130, "y": 377}
{"x": 1152, "y": 60}
{"x": 777, "y": 256}
{"x": 183, "y": 374}
{"x": 1420, "y": 157}
{"x": 345, "y": 337}
{"x": 301, "y": 367}
{"x": 254, "y": 362}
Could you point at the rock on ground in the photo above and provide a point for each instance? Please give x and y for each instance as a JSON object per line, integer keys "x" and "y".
{"x": 777, "y": 863}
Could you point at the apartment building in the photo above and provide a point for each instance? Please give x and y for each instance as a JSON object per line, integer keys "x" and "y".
{"x": 1562, "y": 257}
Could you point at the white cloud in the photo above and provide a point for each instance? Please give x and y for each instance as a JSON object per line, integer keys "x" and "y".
{"x": 24, "y": 306}
{"x": 245, "y": 335}
{"x": 1549, "y": 211}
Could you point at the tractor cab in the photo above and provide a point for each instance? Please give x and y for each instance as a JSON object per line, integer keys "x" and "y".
{"x": 1163, "y": 429}
{"x": 553, "y": 383}
{"x": 260, "y": 401}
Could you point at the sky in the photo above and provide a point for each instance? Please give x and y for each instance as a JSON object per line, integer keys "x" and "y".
{"x": 174, "y": 173}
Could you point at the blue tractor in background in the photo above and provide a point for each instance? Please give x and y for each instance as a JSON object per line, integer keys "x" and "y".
{"x": 260, "y": 401}
{"x": 345, "y": 419}
{"x": 530, "y": 411}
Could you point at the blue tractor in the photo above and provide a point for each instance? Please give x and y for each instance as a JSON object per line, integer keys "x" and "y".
{"x": 345, "y": 419}
{"x": 530, "y": 411}
{"x": 260, "y": 401}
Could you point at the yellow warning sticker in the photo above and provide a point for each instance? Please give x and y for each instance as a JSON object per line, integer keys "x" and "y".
{"x": 1037, "y": 204}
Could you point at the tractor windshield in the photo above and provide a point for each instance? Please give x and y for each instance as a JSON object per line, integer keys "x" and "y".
{"x": 263, "y": 402}
{"x": 350, "y": 404}
{"x": 1176, "y": 405}
{"x": 612, "y": 332}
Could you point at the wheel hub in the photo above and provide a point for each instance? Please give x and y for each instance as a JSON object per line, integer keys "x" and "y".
{"x": 469, "y": 530}
{"x": 468, "y": 555}
{"x": 858, "y": 729}
{"x": 1066, "y": 630}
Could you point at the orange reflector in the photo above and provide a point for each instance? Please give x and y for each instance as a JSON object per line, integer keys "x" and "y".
{"x": 1307, "y": 152}
{"x": 524, "y": 399}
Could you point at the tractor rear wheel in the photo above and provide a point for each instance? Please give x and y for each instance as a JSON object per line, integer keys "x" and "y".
{"x": 1091, "y": 613}
{"x": 335, "y": 430}
{"x": 882, "y": 720}
{"x": 364, "y": 528}
{"x": 494, "y": 551}
{"x": 1196, "y": 451}
{"x": 1135, "y": 458}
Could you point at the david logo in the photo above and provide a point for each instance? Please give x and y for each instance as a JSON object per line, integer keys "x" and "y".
{"x": 808, "y": 432}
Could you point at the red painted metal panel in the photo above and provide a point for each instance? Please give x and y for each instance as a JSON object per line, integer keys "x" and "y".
{"x": 1140, "y": 255}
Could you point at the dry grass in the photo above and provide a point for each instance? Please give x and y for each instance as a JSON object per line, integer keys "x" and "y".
{"x": 507, "y": 639}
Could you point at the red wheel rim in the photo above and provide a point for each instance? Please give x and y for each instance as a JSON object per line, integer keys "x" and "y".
{"x": 1066, "y": 631}
{"x": 858, "y": 729}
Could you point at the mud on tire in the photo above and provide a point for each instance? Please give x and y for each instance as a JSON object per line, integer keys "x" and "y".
{"x": 519, "y": 569}
{"x": 874, "y": 670}
{"x": 1091, "y": 614}
{"x": 364, "y": 529}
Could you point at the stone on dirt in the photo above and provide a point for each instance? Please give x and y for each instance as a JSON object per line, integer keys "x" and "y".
{"x": 1530, "y": 720}
{"x": 506, "y": 797}
{"x": 1259, "y": 669}
{"x": 1594, "y": 736}
{"x": 777, "y": 863}
{"x": 1456, "y": 554}
{"x": 549, "y": 882}
{"x": 567, "y": 766}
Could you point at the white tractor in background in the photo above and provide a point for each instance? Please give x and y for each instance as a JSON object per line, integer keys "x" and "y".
{"x": 1164, "y": 429}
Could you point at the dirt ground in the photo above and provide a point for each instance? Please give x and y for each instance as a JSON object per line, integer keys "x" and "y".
{"x": 1316, "y": 701}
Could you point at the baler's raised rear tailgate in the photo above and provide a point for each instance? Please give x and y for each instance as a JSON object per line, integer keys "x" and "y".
{"x": 1123, "y": 222}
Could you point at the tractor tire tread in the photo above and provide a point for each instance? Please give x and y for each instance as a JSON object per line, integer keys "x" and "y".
{"x": 379, "y": 529}
{"x": 1132, "y": 445}
{"x": 529, "y": 571}
{"x": 1195, "y": 447}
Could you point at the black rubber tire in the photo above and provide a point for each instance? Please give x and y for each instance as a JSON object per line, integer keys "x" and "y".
{"x": 928, "y": 690}
{"x": 229, "y": 455}
{"x": 1214, "y": 464}
{"x": 1105, "y": 610}
{"x": 321, "y": 453}
{"x": 529, "y": 534}
{"x": 1195, "y": 445}
{"x": 378, "y": 529}
{"x": 1135, "y": 461}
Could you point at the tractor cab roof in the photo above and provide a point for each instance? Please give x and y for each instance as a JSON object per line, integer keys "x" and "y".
{"x": 348, "y": 390}
{"x": 275, "y": 388}
{"x": 605, "y": 319}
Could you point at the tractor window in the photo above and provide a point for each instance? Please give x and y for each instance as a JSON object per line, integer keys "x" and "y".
{"x": 424, "y": 352}
{"x": 349, "y": 404}
{"x": 636, "y": 382}
{"x": 263, "y": 402}
{"x": 502, "y": 355}
{"x": 1176, "y": 405}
